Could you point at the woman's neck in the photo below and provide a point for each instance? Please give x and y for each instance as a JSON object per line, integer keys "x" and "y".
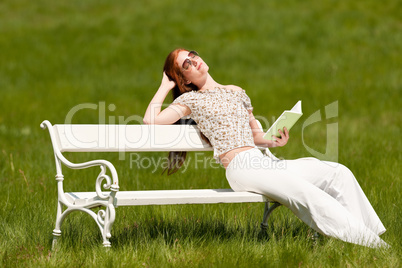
{"x": 207, "y": 83}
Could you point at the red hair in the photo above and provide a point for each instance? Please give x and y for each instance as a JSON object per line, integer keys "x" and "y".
{"x": 173, "y": 71}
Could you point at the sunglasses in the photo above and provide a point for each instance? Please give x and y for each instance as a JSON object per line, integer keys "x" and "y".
{"x": 188, "y": 61}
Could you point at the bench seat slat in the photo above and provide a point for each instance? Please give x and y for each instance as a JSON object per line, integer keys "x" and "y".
{"x": 171, "y": 197}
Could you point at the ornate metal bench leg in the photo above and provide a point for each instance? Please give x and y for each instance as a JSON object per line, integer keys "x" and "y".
{"x": 56, "y": 235}
{"x": 57, "y": 231}
{"x": 105, "y": 221}
{"x": 267, "y": 211}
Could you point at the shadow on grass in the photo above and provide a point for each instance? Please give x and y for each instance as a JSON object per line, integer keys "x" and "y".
{"x": 80, "y": 231}
{"x": 206, "y": 230}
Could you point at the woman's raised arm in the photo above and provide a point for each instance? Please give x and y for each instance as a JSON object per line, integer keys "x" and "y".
{"x": 171, "y": 114}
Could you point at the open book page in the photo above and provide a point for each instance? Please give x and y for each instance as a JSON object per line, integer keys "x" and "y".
{"x": 287, "y": 119}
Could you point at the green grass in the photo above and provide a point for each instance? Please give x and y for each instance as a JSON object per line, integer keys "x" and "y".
{"x": 55, "y": 55}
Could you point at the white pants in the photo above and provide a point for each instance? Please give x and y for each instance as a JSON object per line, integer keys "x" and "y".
{"x": 325, "y": 195}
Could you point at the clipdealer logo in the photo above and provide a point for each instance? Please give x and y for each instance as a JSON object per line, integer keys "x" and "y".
{"x": 330, "y": 111}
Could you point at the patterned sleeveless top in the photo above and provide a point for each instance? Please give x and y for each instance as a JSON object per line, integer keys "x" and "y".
{"x": 222, "y": 116}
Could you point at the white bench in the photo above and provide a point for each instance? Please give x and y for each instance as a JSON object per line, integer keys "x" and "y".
{"x": 130, "y": 138}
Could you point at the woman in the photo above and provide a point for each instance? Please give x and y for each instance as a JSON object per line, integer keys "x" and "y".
{"x": 324, "y": 195}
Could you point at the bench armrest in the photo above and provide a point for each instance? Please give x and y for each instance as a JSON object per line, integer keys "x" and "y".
{"x": 111, "y": 183}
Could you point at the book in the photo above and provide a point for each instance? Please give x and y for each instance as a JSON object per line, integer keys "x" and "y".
{"x": 287, "y": 119}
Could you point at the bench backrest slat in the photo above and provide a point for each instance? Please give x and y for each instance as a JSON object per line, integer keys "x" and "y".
{"x": 129, "y": 138}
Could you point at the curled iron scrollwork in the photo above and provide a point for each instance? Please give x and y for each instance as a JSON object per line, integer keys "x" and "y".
{"x": 101, "y": 177}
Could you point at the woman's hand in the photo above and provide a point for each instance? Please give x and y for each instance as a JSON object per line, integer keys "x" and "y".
{"x": 166, "y": 83}
{"x": 283, "y": 139}
{"x": 154, "y": 115}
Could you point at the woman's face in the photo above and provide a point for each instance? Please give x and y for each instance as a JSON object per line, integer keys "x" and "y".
{"x": 191, "y": 65}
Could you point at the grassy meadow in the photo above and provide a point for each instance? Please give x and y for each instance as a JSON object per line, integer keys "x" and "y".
{"x": 55, "y": 55}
